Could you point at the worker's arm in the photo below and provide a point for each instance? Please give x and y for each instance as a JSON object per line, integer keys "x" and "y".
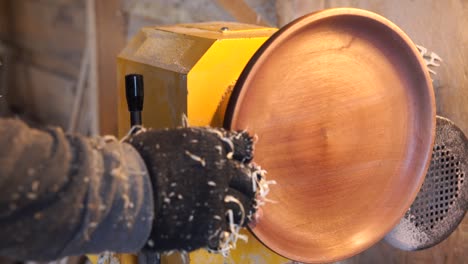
{"x": 179, "y": 189}
{"x": 65, "y": 194}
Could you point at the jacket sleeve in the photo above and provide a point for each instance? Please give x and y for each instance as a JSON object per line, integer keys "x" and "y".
{"x": 63, "y": 195}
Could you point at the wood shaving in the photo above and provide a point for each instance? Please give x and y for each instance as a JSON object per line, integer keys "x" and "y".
{"x": 196, "y": 158}
{"x": 31, "y": 196}
{"x": 211, "y": 183}
{"x": 35, "y": 186}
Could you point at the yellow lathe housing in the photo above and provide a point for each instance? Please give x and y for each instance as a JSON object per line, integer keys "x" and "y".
{"x": 191, "y": 69}
{"x": 188, "y": 69}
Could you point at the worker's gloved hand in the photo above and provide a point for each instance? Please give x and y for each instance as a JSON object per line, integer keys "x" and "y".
{"x": 203, "y": 183}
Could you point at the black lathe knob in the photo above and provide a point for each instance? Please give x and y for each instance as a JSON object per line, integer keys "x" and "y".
{"x": 134, "y": 90}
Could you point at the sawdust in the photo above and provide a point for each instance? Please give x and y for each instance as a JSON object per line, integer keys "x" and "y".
{"x": 406, "y": 236}
{"x": 442, "y": 201}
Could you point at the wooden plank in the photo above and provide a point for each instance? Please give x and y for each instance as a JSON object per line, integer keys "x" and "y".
{"x": 47, "y": 38}
{"x": 242, "y": 12}
{"x": 4, "y": 54}
{"x": 292, "y": 9}
{"x": 158, "y": 12}
{"x": 5, "y": 19}
{"x": 42, "y": 95}
{"x": 92, "y": 84}
{"x": 110, "y": 40}
{"x": 266, "y": 9}
{"x": 52, "y": 29}
{"x": 51, "y": 62}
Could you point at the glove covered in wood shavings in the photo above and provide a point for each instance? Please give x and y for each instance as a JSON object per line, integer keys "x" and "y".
{"x": 204, "y": 184}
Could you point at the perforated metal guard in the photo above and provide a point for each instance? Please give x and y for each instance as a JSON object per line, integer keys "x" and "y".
{"x": 442, "y": 201}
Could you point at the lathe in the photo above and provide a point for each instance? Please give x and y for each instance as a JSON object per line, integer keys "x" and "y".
{"x": 191, "y": 69}
{"x": 342, "y": 103}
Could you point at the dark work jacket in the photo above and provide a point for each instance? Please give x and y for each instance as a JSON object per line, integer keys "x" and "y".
{"x": 63, "y": 195}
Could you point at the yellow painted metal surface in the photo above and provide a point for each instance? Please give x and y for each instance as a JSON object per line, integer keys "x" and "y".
{"x": 213, "y": 77}
{"x": 122, "y": 258}
{"x": 190, "y": 69}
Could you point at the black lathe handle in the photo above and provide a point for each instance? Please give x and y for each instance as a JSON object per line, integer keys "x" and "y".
{"x": 134, "y": 90}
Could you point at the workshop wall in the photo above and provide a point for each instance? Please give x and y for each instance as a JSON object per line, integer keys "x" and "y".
{"x": 45, "y": 41}
{"x": 4, "y": 26}
{"x": 42, "y": 43}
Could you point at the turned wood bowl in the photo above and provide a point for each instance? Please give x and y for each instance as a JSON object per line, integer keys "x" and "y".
{"x": 344, "y": 111}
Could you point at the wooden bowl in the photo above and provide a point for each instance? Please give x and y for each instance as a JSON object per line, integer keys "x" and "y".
{"x": 344, "y": 111}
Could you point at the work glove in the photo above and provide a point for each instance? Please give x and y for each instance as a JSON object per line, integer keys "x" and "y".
{"x": 204, "y": 186}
